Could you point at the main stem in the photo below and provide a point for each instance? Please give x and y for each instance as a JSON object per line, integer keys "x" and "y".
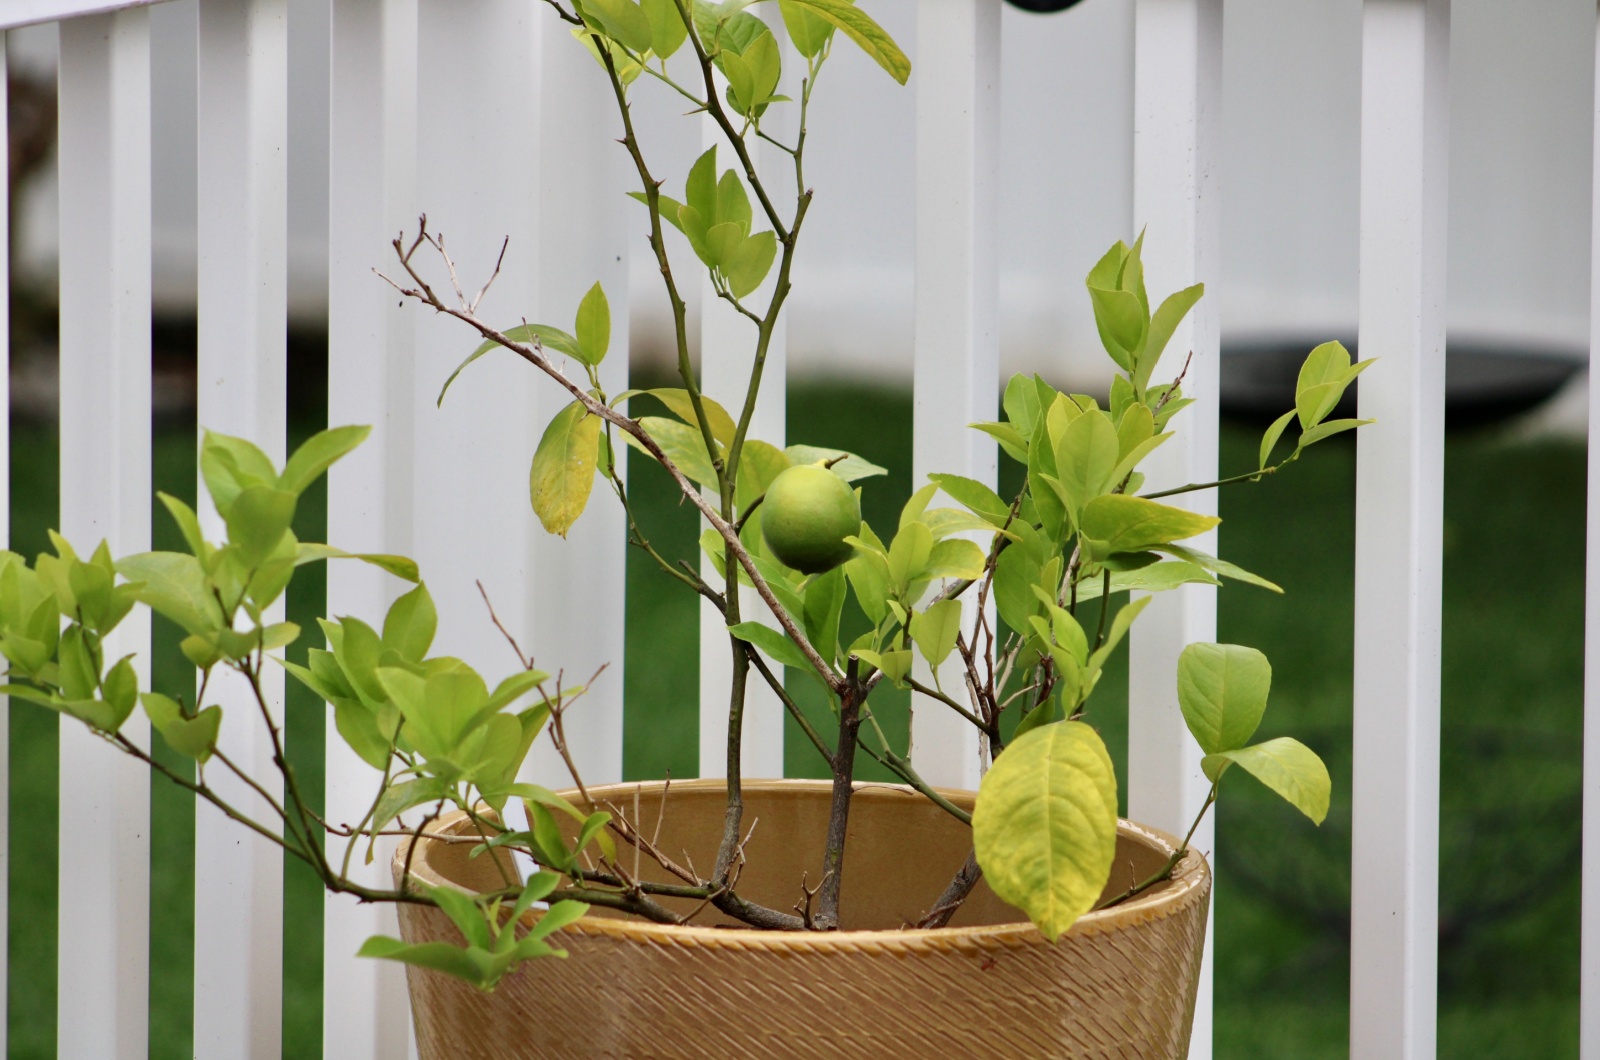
{"x": 844, "y": 768}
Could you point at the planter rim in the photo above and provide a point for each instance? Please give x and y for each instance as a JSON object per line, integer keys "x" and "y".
{"x": 1160, "y": 902}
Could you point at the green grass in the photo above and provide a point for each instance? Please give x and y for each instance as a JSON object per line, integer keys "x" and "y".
{"x": 1512, "y": 705}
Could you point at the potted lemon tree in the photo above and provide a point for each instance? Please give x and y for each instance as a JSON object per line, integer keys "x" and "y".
{"x": 855, "y": 920}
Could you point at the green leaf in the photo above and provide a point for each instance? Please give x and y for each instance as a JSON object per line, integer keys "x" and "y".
{"x": 977, "y": 497}
{"x": 1086, "y": 455}
{"x": 894, "y": 664}
{"x": 868, "y": 572}
{"x": 908, "y": 555}
{"x": 318, "y": 453}
{"x": 934, "y": 630}
{"x": 733, "y": 202}
{"x": 773, "y": 643}
{"x": 258, "y": 519}
{"x": 1014, "y": 444}
{"x": 475, "y": 966}
{"x": 809, "y": 32}
{"x": 191, "y": 737}
{"x": 954, "y": 558}
{"x": 1120, "y": 624}
{"x": 1329, "y": 429}
{"x": 544, "y": 337}
{"x": 1285, "y": 765}
{"x": 359, "y": 728}
{"x": 683, "y": 445}
{"x": 1222, "y": 691}
{"x": 1119, "y": 523}
{"x": 173, "y": 585}
{"x": 750, "y": 260}
{"x": 851, "y": 468}
{"x": 1163, "y": 323}
{"x": 1323, "y": 378}
{"x": 188, "y": 523}
{"x": 409, "y": 626}
{"x": 400, "y": 566}
{"x": 700, "y": 189}
{"x": 593, "y": 327}
{"x": 120, "y": 692}
{"x": 867, "y": 34}
{"x": 398, "y": 798}
{"x": 1218, "y": 566}
{"x": 1270, "y": 440}
{"x": 1046, "y": 713}
{"x": 563, "y": 468}
{"x": 824, "y": 603}
{"x": 667, "y": 30}
{"x": 621, "y": 20}
{"x": 1122, "y": 323}
{"x": 1021, "y": 403}
{"x": 1045, "y": 825}
{"x": 229, "y": 465}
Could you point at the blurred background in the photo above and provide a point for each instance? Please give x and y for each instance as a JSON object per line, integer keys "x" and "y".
{"x": 1522, "y": 95}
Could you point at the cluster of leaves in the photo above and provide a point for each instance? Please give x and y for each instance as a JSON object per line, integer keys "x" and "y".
{"x": 439, "y": 736}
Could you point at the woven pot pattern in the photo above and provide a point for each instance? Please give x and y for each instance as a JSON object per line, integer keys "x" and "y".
{"x": 1121, "y": 983}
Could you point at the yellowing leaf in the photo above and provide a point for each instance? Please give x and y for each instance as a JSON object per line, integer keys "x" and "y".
{"x": 1045, "y": 824}
{"x": 563, "y": 468}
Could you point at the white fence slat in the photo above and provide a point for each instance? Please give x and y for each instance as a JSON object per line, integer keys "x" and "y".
{"x": 1177, "y": 93}
{"x": 105, "y": 494}
{"x": 1399, "y": 519}
{"x": 242, "y": 137}
{"x": 477, "y": 136}
{"x": 576, "y": 604}
{"x": 371, "y": 197}
{"x": 727, "y": 353}
{"x": 1589, "y": 968}
{"x": 956, "y": 332}
{"x": 5, "y": 538}
{"x": 29, "y": 12}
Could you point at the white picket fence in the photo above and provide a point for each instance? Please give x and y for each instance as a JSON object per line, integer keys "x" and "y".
{"x": 465, "y": 107}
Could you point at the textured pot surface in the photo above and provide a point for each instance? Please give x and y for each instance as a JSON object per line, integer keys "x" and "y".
{"x": 1121, "y": 983}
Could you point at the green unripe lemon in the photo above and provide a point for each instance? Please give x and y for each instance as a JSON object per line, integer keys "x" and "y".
{"x": 808, "y": 513}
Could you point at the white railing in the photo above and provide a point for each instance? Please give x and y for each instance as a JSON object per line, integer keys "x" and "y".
{"x": 446, "y": 103}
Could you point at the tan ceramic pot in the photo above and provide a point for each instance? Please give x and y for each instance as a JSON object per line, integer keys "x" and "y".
{"x": 1121, "y": 983}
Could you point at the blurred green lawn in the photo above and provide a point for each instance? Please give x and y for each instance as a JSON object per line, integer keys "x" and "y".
{"x": 1512, "y": 712}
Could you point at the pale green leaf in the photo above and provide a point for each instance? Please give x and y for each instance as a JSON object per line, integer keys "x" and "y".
{"x": 867, "y": 34}
{"x": 1285, "y": 765}
{"x": 593, "y": 325}
{"x": 1222, "y": 691}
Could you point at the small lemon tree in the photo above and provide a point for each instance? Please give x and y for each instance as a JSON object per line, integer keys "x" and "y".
{"x": 783, "y": 521}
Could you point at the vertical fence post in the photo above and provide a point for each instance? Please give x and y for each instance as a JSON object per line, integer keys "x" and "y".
{"x": 1589, "y": 970}
{"x": 956, "y": 337}
{"x": 1177, "y": 93}
{"x": 371, "y": 166}
{"x": 1399, "y": 519}
{"x": 105, "y": 494}
{"x": 5, "y": 539}
{"x": 242, "y": 304}
{"x": 578, "y": 587}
